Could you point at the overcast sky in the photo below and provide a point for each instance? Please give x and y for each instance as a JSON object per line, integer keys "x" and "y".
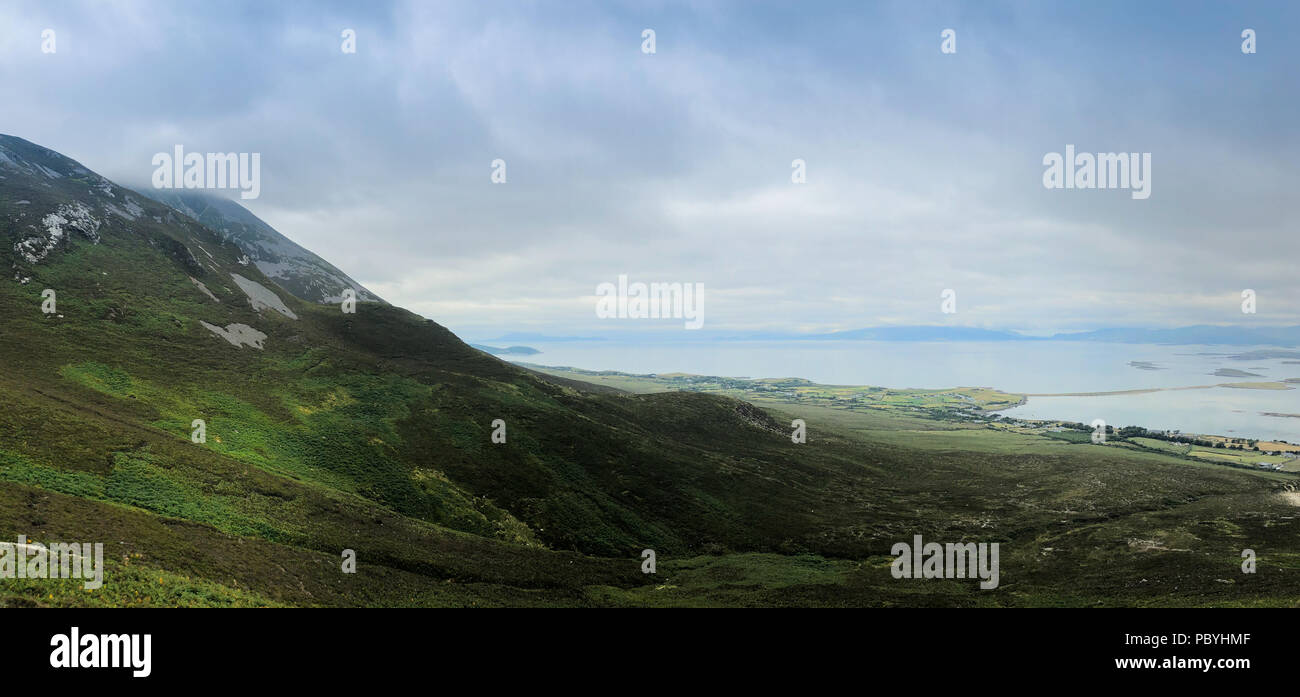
{"x": 924, "y": 169}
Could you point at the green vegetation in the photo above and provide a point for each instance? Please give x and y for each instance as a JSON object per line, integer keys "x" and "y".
{"x": 955, "y": 403}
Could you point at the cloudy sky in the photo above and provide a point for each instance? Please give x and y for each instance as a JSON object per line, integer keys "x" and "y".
{"x": 924, "y": 169}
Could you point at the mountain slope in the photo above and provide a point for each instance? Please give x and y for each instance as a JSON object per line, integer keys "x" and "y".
{"x": 164, "y": 317}
{"x": 292, "y": 267}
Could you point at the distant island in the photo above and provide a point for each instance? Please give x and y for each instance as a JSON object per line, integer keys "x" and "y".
{"x": 508, "y": 351}
{"x": 1234, "y": 373}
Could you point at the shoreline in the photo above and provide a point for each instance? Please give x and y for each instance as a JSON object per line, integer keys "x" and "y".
{"x": 985, "y": 411}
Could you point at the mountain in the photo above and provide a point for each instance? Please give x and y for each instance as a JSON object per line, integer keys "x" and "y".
{"x": 1200, "y": 334}
{"x": 328, "y": 431}
{"x": 924, "y": 333}
{"x": 232, "y": 444}
{"x": 292, "y": 267}
{"x": 532, "y": 336}
{"x": 508, "y": 350}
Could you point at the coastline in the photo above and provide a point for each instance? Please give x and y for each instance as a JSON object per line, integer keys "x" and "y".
{"x": 958, "y": 404}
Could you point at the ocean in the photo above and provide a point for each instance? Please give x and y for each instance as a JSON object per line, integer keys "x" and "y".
{"x": 1028, "y": 367}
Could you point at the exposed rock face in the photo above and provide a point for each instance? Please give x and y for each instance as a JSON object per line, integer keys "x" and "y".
{"x": 55, "y": 227}
{"x": 237, "y": 334}
{"x": 201, "y": 286}
{"x": 260, "y": 297}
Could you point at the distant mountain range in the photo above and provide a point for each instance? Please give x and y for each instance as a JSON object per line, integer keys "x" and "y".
{"x": 534, "y": 336}
{"x": 507, "y": 351}
{"x": 1201, "y": 334}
